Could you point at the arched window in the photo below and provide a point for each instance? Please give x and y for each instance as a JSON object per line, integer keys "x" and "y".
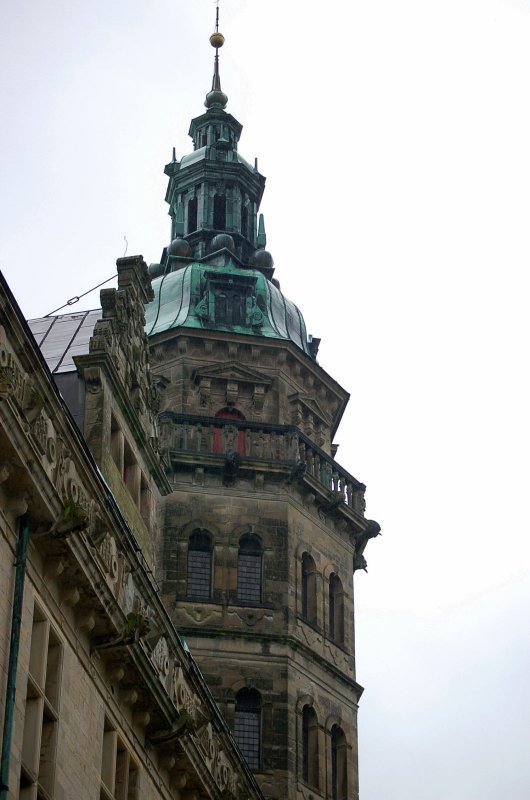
{"x": 247, "y": 727}
{"x": 336, "y": 609}
{"x": 339, "y": 764}
{"x": 236, "y": 440}
{"x": 244, "y": 221}
{"x": 219, "y": 212}
{"x": 309, "y": 589}
{"x": 310, "y": 770}
{"x": 192, "y": 215}
{"x": 249, "y": 569}
{"x": 200, "y": 552}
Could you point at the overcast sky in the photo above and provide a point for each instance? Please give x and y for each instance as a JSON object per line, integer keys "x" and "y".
{"x": 395, "y": 137}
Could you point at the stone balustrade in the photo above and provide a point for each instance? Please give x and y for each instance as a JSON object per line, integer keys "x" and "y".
{"x": 285, "y": 445}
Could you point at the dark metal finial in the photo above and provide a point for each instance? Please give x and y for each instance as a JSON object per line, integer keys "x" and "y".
{"x": 216, "y": 97}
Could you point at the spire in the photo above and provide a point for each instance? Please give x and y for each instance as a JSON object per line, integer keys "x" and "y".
{"x": 216, "y": 98}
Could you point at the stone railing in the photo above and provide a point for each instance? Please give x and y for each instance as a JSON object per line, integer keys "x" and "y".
{"x": 285, "y": 445}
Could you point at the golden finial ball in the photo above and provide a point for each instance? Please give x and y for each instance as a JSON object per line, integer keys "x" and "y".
{"x": 217, "y": 39}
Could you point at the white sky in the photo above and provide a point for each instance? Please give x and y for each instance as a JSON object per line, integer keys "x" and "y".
{"x": 395, "y": 137}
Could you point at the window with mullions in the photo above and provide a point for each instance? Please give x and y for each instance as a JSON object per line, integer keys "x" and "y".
{"x": 200, "y": 552}
{"x": 41, "y": 718}
{"x": 119, "y": 772}
{"x": 249, "y": 570}
{"x": 230, "y": 306}
{"x": 247, "y": 728}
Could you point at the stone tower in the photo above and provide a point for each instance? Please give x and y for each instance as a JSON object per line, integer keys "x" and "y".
{"x": 262, "y": 530}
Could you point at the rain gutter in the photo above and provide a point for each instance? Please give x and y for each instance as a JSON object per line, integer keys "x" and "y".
{"x": 16, "y": 622}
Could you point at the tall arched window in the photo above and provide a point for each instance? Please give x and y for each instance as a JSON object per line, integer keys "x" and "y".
{"x": 200, "y": 552}
{"x": 219, "y": 212}
{"x": 244, "y": 221}
{"x": 192, "y": 215}
{"x": 339, "y": 764}
{"x": 309, "y": 589}
{"x": 310, "y": 770}
{"x": 247, "y": 727}
{"x": 336, "y": 609}
{"x": 249, "y": 569}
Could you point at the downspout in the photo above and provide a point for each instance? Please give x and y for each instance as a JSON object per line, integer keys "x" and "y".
{"x": 16, "y": 621}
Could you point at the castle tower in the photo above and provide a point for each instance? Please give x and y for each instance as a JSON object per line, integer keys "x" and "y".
{"x": 263, "y": 530}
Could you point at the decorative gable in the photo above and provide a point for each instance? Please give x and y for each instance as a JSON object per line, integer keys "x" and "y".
{"x": 233, "y": 376}
{"x": 303, "y": 403}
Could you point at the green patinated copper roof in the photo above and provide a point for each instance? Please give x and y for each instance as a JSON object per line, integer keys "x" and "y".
{"x": 188, "y": 297}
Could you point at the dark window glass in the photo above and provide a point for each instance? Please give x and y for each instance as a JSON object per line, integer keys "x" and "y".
{"x": 230, "y": 307}
{"x": 221, "y": 308}
{"x": 336, "y": 609}
{"x": 339, "y": 772}
{"x": 310, "y": 747}
{"x": 247, "y": 728}
{"x": 249, "y": 569}
{"x": 200, "y": 565}
{"x": 192, "y": 215}
{"x": 309, "y": 593}
{"x": 219, "y": 212}
{"x": 244, "y": 221}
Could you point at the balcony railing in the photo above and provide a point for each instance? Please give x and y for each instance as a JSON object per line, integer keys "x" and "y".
{"x": 285, "y": 445}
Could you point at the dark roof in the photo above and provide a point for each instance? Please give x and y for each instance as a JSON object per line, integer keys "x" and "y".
{"x": 61, "y": 338}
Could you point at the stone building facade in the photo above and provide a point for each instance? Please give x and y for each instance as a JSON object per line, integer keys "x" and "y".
{"x": 212, "y": 424}
{"x": 101, "y": 698}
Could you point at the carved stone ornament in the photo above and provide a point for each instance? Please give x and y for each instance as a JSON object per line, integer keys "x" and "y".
{"x": 217, "y": 761}
{"x": 108, "y": 556}
{"x": 13, "y": 379}
{"x": 185, "y": 699}
{"x": 120, "y": 334}
{"x": 160, "y": 659}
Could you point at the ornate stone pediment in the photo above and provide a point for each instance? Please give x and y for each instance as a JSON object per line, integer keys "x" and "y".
{"x": 310, "y": 405}
{"x": 232, "y": 371}
{"x": 233, "y": 376}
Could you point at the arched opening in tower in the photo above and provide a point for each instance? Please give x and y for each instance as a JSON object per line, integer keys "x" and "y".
{"x": 192, "y": 215}
{"x": 219, "y": 212}
{"x": 229, "y": 438}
